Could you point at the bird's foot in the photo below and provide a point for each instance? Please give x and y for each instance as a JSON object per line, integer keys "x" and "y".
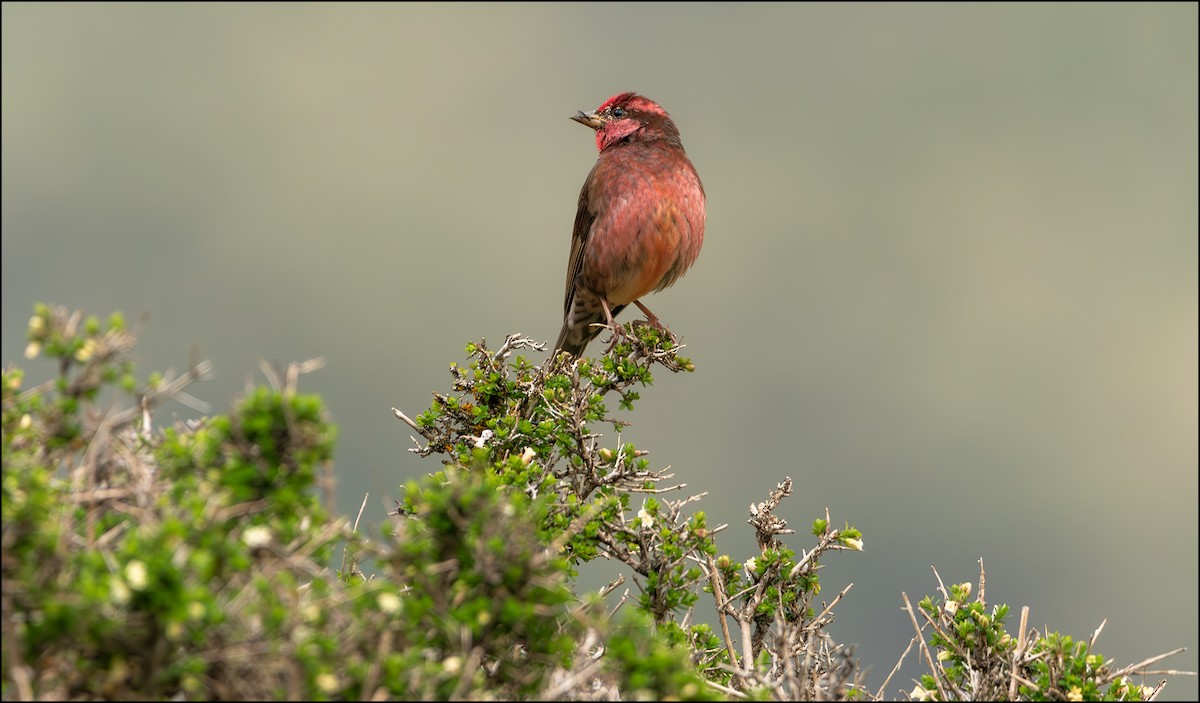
{"x": 657, "y": 325}
{"x": 618, "y": 333}
{"x": 653, "y": 322}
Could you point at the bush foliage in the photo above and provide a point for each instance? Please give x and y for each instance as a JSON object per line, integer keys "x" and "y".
{"x": 197, "y": 561}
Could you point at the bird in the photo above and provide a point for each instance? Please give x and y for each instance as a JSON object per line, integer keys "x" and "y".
{"x": 640, "y": 221}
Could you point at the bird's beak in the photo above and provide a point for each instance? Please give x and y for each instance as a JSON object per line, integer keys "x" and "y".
{"x": 589, "y": 119}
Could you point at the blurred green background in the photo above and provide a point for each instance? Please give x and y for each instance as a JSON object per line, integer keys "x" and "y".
{"x": 949, "y": 284}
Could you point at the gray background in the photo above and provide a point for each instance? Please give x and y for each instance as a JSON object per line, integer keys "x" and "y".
{"x": 949, "y": 284}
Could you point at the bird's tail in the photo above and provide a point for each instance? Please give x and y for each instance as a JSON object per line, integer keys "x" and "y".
{"x": 581, "y": 327}
{"x": 573, "y": 339}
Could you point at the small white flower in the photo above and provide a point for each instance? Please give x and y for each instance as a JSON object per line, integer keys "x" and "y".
{"x": 257, "y": 536}
{"x": 84, "y": 353}
{"x": 527, "y": 456}
{"x": 919, "y": 693}
{"x": 855, "y": 544}
{"x": 481, "y": 440}
{"x": 136, "y": 575}
{"x": 32, "y": 350}
{"x": 1122, "y": 685}
{"x": 951, "y": 606}
{"x": 26, "y": 421}
{"x": 751, "y": 566}
{"x": 328, "y": 683}
{"x": 647, "y": 520}
{"x": 452, "y": 665}
{"x": 966, "y": 586}
{"x": 1075, "y": 694}
{"x": 389, "y": 603}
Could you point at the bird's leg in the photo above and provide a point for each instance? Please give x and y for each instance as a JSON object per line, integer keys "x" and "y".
{"x": 650, "y": 317}
{"x": 653, "y": 320}
{"x": 617, "y": 330}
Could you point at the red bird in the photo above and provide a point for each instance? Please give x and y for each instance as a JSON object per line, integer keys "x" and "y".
{"x": 640, "y": 223}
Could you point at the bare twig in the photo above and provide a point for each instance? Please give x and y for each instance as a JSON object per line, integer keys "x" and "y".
{"x": 361, "y": 508}
{"x": 1137, "y": 668}
{"x": 899, "y": 662}
{"x": 722, "y": 610}
{"x": 408, "y": 421}
{"x": 1018, "y": 653}
{"x": 921, "y": 641}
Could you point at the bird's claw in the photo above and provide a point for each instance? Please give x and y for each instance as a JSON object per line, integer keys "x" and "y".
{"x": 618, "y": 333}
{"x": 656, "y": 324}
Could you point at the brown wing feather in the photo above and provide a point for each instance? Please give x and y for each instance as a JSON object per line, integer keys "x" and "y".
{"x": 584, "y": 217}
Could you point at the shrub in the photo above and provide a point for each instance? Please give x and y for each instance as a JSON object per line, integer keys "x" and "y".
{"x": 195, "y": 561}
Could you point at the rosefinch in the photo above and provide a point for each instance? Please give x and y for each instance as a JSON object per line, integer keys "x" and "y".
{"x": 640, "y": 222}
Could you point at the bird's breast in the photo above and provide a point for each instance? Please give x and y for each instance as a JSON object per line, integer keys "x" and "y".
{"x": 647, "y": 233}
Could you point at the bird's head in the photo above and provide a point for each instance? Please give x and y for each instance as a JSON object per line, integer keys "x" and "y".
{"x": 628, "y": 117}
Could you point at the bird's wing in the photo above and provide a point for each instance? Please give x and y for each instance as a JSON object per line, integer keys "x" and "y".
{"x": 584, "y": 217}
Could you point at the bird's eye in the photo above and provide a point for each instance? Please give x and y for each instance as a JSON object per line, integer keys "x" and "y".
{"x": 618, "y": 112}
